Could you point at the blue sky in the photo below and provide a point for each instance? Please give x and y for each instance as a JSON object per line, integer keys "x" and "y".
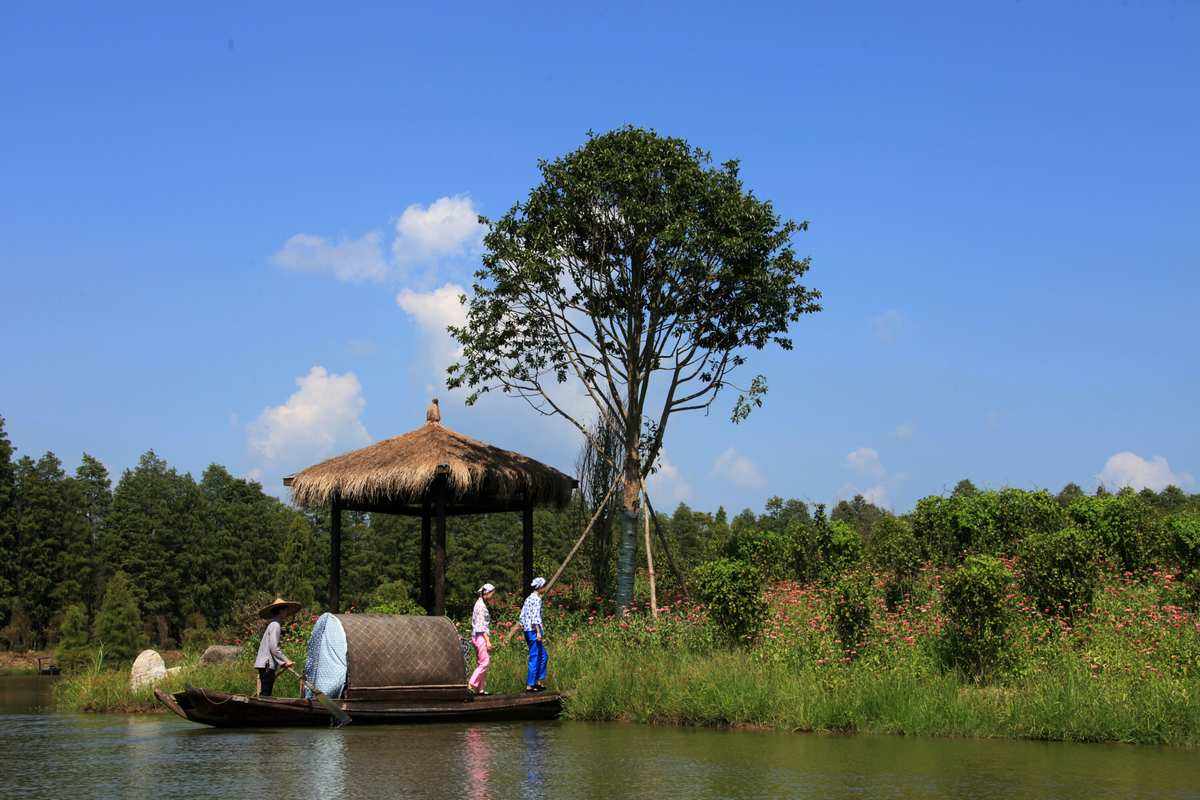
{"x": 227, "y": 235}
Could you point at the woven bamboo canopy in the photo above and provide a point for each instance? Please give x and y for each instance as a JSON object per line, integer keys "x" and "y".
{"x": 432, "y": 473}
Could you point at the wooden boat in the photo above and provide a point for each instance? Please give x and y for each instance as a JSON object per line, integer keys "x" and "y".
{"x": 397, "y": 669}
{"x": 225, "y": 710}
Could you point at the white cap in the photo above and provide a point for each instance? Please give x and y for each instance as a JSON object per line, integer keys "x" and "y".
{"x": 538, "y": 583}
{"x": 487, "y": 587}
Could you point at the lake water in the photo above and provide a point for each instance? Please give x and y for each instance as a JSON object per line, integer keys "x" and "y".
{"x": 45, "y": 755}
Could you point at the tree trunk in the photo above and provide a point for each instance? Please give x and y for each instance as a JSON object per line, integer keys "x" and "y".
{"x": 627, "y": 552}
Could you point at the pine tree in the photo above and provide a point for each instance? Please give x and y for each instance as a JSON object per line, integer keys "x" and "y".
{"x": 153, "y": 535}
{"x": 119, "y": 625}
{"x": 43, "y": 533}
{"x": 294, "y": 570}
{"x": 95, "y": 497}
{"x": 8, "y": 534}
{"x": 72, "y": 650}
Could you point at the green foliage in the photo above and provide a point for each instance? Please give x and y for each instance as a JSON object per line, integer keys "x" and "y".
{"x": 769, "y": 552}
{"x": 894, "y": 551}
{"x": 73, "y": 652}
{"x": 1184, "y": 537}
{"x": 393, "y": 597}
{"x": 638, "y": 233}
{"x": 118, "y": 624}
{"x": 732, "y": 591}
{"x": 973, "y": 641}
{"x": 860, "y": 515}
{"x": 990, "y": 522}
{"x": 196, "y": 634}
{"x": 852, "y": 613}
{"x": 1059, "y": 571}
{"x": 1126, "y": 526}
{"x": 296, "y": 568}
{"x": 844, "y": 548}
{"x": 823, "y": 549}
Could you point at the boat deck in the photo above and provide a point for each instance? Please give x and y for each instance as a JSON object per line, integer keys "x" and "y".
{"x": 222, "y": 709}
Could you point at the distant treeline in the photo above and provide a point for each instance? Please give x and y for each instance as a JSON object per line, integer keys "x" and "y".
{"x": 197, "y": 553}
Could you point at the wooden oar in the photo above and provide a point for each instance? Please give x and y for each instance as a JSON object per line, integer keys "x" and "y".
{"x": 333, "y": 708}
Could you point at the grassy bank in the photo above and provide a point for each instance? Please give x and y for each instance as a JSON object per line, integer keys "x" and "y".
{"x": 20, "y": 663}
{"x": 1127, "y": 672}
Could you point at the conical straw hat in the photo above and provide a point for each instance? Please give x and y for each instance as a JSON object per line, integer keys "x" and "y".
{"x": 289, "y": 606}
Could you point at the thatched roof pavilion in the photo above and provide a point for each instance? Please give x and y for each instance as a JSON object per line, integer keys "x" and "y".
{"x": 432, "y": 473}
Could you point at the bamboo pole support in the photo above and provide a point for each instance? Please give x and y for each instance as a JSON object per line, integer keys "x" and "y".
{"x": 649, "y": 549}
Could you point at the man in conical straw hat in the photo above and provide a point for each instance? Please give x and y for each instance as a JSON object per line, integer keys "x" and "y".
{"x": 271, "y": 660}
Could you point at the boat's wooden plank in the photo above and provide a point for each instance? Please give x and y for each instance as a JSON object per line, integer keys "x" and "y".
{"x": 224, "y": 709}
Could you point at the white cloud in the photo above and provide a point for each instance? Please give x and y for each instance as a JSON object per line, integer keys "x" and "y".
{"x": 876, "y": 495}
{"x": 738, "y": 470}
{"x": 668, "y": 486}
{"x": 904, "y": 431}
{"x": 888, "y": 326}
{"x": 1129, "y": 469}
{"x": 865, "y": 461}
{"x": 448, "y": 226}
{"x": 351, "y": 260}
{"x": 433, "y": 312}
{"x": 322, "y": 418}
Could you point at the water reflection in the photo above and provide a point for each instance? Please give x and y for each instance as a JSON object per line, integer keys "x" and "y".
{"x": 62, "y": 756}
{"x": 478, "y": 759}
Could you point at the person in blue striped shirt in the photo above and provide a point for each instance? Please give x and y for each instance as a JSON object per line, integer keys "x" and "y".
{"x": 531, "y": 622}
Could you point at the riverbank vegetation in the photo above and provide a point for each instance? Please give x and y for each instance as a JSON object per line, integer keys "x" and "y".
{"x": 981, "y": 613}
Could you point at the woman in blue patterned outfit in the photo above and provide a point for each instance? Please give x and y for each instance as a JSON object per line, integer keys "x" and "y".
{"x": 531, "y": 622}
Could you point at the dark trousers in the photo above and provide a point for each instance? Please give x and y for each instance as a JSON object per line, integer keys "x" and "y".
{"x": 266, "y": 680}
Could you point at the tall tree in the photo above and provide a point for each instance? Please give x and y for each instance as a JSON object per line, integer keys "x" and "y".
{"x": 94, "y": 492}
{"x": 8, "y": 533}
{"x": 642, "y": 274}
{"x": 118, "y": 623}
{"x": 53, "y": 569}
{"x": 295, "y": 572}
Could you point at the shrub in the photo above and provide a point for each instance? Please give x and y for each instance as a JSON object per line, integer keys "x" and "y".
{"x": 1125, "y": 525}
{"x": 769, "y": 552}
{"x": 844, "y": 549}
{"x": 732, "y": 591}
{"x": 950, "y": 527}
{"x": 1183, "y": 534}
{"x": 822, "y": 549}
{"x": 894, "y": 551}
{"x": 852, "y": 613}
{"x": 1020, "y": 513}
{"x": 809, "y": 543}
{"x": 1187, "y": 590}
{"x": 933, "y": 529}
{"x": 393, "y": 598}
{"x": 72, "y": 652}
{"x": 196, "y": 634}
{"x": 1059, "y": 571}
{"x": 119, "y": 625}
{"x": 973, "y": 638}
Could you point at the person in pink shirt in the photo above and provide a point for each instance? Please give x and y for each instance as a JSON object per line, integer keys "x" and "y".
{"x": 481, "y": 637}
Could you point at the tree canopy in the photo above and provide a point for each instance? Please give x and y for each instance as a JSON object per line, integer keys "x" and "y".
{"x": 641, "y": 274}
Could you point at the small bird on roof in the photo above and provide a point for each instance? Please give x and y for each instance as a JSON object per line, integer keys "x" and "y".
{"x": 434, "y": 412}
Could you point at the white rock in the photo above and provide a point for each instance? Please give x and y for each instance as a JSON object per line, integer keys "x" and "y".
{"x": 148, "y": 669}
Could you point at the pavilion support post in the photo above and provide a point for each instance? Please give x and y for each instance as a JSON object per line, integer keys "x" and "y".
{"x": 439, "y": 552}
{"x": 335, "y": 555}
{"x": 426, "y": 547}
{"x": 527, "y": 544}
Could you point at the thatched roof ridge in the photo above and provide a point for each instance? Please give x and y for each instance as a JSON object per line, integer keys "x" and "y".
{"x": 402, "y": 469}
